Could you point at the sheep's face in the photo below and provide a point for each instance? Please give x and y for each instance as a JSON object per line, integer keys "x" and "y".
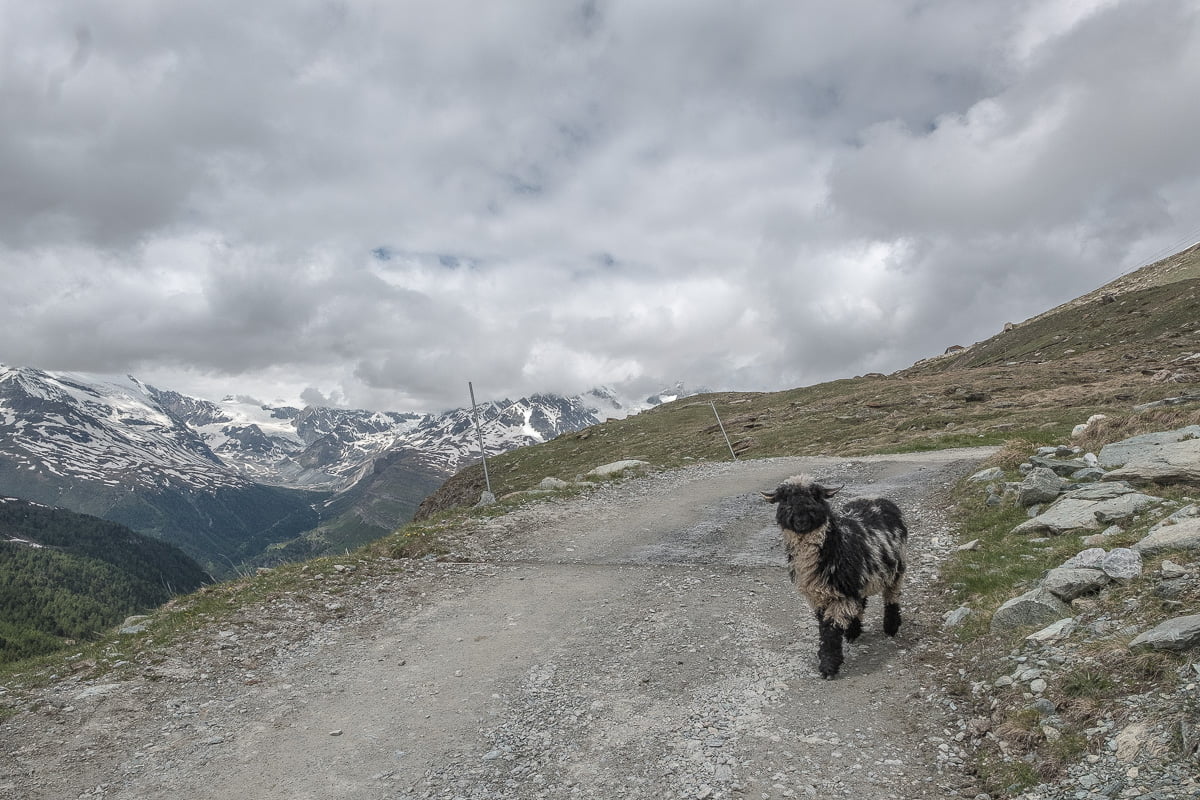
{"x": 803, "y": 504}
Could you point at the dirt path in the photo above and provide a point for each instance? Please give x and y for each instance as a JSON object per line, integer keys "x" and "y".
{"x": 642, "y": 641}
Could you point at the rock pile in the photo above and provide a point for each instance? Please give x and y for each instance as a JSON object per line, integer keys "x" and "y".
{"x": 1105, "y": 619}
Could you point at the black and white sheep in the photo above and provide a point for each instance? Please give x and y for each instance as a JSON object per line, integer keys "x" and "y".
{"x": 838, "y": 560}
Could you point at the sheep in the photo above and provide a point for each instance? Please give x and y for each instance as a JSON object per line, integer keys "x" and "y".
{"x": 838, "y": 560}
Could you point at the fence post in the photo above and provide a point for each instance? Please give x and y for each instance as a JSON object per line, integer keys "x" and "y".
{"x": 479, "y": 432}
{"x": 723, "y": 433}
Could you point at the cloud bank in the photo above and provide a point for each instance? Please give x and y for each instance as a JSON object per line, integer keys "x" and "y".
{"x": 372, "y": 204}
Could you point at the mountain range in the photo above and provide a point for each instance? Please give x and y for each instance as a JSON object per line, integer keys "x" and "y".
{"x": 237, "y": 483}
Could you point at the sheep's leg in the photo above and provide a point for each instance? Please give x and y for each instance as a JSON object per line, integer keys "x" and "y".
{"x": 854, "y": 629}
{"x": 829, "y": 656}
{"x": 891, "y": 611}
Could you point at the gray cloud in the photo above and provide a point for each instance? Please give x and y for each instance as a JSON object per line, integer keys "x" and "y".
{"x": 374, "y": 204}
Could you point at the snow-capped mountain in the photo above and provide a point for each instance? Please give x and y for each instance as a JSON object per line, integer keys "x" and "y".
{"x": 227, "y": 479}
{"x": 101, "y": 430}
{"x": 329, "y": 448}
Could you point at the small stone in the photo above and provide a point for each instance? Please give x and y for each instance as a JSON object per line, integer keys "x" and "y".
{"x": 1002, "y": 681}
{"x": 1051, "y": 633}
{"x": 1170, "y": 570}
{"x": 956, "y": 617}
{"x": 337, "y": 732}
{"x": 1037, "y": 686}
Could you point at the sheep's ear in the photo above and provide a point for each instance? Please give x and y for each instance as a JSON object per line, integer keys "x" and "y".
{"x": 770, "y": 497}
{"x": 831, "y": 492}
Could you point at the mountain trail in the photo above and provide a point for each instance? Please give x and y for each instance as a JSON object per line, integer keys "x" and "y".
{"x": 640, "y": 641}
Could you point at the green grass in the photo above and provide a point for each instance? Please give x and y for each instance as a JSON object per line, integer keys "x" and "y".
{"x": 1002, "y": 563}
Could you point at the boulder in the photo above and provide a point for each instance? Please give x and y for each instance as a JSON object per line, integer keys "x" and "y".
{"x": 1175, "y": 462}
{"x": 1181, "y": 633}
{"x": 1183, "y": 535}
{"x": 1092, "y": 558}
{"x": 616, "y": 467}
{"x": 1122, "y": 563}
{"x": 1036, "y": 607}
{"x": 1041, "y": 485}
{"x": 1118, "y": 454}
{"x": 551, "y": 483}
{"x": 1081, "y": 428}
{"x": 1066, "y": 584}
{"x": 1085, "y": 507}
{"x": 987, "y": 475}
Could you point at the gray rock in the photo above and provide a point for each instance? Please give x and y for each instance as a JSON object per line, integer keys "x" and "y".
{"x": 1092, "y": 558}
{"x": 1187, "y": 512}
{"x": 1036, "y": 607}
{"x": 987, "y": 475}
{"x": 1087, "y": 474}
{"x": 1175, "y": 462}
{"x": 956, "y": 617}
{"x": 1167, "y": 401}
{"x": 1184, "y": 535}
{"x": 485, "y": 499}
{"x": 616, "y": 468}
{"x": 1040, "y": 486}
{"x": 552, "y": 483}
{"x": 1109, "y": 490}
{"x": 1122, "y": 563}
{"x": 1059, "y": 466}
{"x": 1083, "y": 508}
{"x": 1051, "y": 633}
{"x": 1180, "y": 633}
{"x": 1118, "y": 454}
{"x": 1170, "y": 570}
{"x": 1068, "y": 583}
{"x": 1172, "y": 589}
{"x": 1044, "y": 707}
{"x": 1037, "y": 685}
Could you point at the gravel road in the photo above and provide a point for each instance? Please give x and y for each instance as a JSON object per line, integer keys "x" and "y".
{"x": 637, "y": 641}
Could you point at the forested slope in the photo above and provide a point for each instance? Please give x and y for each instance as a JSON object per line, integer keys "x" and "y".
{"x": 67, "y": 576}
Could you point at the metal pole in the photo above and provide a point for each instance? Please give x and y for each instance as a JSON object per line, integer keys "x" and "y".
{"x": 479, "y": 433}
{"x": 723, "y": 433}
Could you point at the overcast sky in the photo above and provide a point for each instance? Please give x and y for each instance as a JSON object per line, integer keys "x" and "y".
{"x": 371, "y": 203}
